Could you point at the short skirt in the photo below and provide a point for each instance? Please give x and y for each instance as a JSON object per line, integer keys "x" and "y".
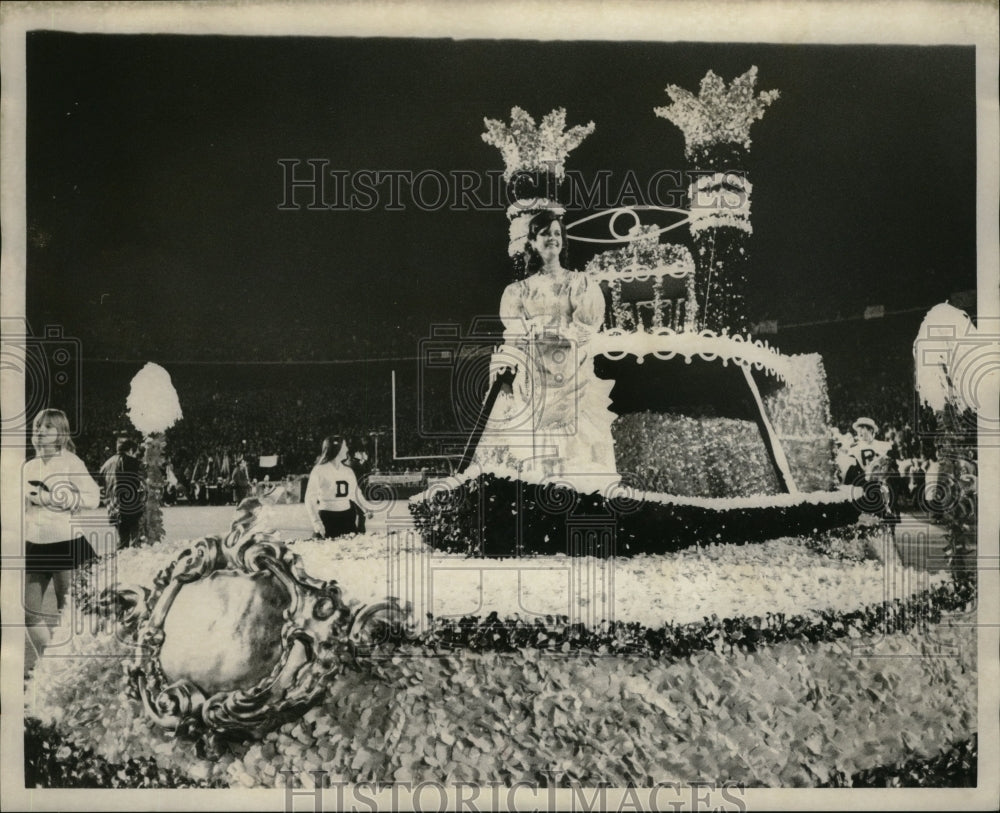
{"x": 339, "y": 523}
{"x": 68, "y": 554}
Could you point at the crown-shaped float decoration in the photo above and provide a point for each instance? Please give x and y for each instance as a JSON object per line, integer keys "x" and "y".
{"x": 716, "y": 126}
{"x": 534, "y": 158}
{"x": 718, "y": 114}
{"x": 528, "y": 147}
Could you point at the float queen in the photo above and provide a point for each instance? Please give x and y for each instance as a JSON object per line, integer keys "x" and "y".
{"x": 630, "y": 395}
{"x": 548, "y": 414}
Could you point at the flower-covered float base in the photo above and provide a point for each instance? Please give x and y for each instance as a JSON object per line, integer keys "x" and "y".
{"x": 495, "y": 516}
{"x": 716, "y": 438}
{"x": 510, "y": 718}
{"x": 702, "y": 415}
{"x": 693, "y": 457}
{"x": 719, "y": 680}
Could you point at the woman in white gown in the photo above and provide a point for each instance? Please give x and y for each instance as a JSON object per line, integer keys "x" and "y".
{"x": 554, "y": 421}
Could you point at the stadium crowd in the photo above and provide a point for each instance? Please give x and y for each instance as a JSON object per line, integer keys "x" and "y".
{"x": 271, "y": 419}
{"x": 273, "y": 432}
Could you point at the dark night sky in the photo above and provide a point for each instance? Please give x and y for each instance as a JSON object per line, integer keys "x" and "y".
{"x": 154, "y": 183}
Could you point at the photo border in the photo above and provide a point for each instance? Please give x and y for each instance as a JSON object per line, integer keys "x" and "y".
{"x": 918, "y": 23}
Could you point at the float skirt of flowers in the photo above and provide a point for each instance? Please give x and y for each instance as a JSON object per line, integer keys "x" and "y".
{"x": 832, "y": 694}
{"x": 499, "y": 516}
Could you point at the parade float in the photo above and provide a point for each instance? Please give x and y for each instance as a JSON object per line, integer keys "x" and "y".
{"x": 810, "y": 658}
{"x": 716, "y": 434}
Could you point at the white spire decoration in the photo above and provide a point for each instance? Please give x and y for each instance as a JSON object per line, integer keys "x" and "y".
{"x": 718, "y": 114}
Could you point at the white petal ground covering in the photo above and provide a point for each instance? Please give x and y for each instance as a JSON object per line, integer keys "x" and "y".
{"x": 791, "y": 714}
{"x": 781, "y": 576}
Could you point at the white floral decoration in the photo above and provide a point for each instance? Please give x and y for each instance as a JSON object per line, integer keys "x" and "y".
{"x": 643, "y": 257}
{"x": 665, "y": 343}
{"x": 718, "y": 200}
{"x": 732, "y": 181}
{"x": 529, "y": 147}
{"x": 521, "y": 214}
{"x": 955, "y": 363}
{"x": 152, "y": 402}
{"x": 718, "y": 114}
{"x": 712, "y": 218}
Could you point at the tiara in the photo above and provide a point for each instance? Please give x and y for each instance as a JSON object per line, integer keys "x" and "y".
{"x": 520, "y": 219}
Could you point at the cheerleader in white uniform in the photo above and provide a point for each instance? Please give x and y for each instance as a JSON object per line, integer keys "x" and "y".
{"x": 332, "y": 491}
{"x": 56, "y": 485}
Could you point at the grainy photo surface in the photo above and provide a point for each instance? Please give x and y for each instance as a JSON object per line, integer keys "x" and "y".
{"x": 498, "y": 409}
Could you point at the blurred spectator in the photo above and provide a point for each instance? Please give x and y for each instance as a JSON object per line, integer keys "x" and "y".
{"x": 875, "y": 461}
{"x": 240, "y": 479}
{"x": 124, "y": 491}
{"x": 172, "y": 490}
{"x": 359, "y": 462}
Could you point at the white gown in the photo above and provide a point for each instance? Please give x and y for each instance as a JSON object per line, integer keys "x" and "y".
{"x": 555, "y": 423}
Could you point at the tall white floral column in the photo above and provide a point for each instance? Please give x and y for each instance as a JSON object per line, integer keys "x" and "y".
{"x": 153, "y": 408}
{"x": 716, "y": 126}
{"x": 957, "y": 380}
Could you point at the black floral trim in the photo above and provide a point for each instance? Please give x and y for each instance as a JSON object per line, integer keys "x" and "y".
{"x": 955, "y": 767}
{"x": 496, "y": 517}
{"x": 676, "y": 641}
{"x": 84, "y": 587}
{"x": 52, "y": 761}
{"x": 853, "y": 543}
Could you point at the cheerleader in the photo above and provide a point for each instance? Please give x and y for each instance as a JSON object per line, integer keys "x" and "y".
{"x": 56, "y": 485}
{"x": 332, "y": 491}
